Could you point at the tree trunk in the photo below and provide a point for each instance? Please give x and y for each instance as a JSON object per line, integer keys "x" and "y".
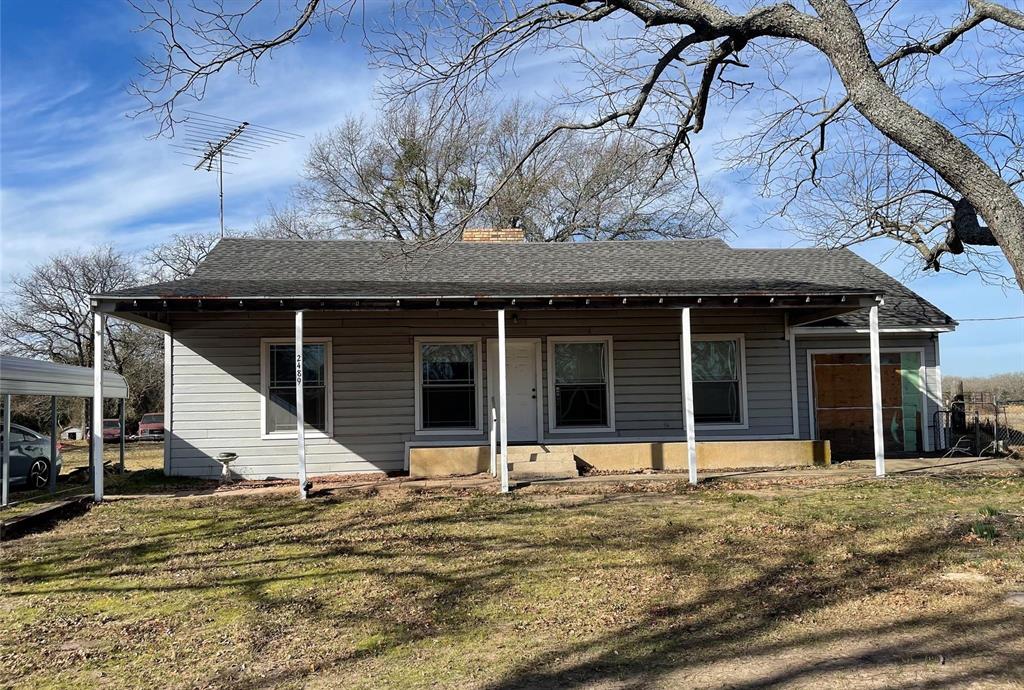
{"x": 842, "y": 41}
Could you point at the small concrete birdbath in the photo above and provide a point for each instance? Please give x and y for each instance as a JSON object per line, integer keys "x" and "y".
{"x": 225, "y": 459}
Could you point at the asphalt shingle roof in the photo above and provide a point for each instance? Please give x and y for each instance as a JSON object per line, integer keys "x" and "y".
{"x": 243, "y": 267}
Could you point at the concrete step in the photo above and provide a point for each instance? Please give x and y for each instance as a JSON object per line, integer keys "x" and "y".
{"x": 555, "y": 456}
{"x": 544, "y": 466}
{"x": 536, "y": 462}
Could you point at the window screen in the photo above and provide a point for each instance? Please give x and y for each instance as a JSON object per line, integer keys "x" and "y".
{"x": 281, "y": 388}
{"x": 716, "y": 382}
{"x": 448, "y": 378}
{"x": 581, "y": 384}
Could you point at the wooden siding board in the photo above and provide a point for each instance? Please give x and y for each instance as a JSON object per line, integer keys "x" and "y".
{"x": 217, "y": 381}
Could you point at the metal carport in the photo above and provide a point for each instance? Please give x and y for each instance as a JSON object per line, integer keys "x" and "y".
{"x": 20, "y": 376}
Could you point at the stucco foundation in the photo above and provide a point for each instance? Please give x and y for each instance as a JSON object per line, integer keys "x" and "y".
{"x": 625, "y": 457}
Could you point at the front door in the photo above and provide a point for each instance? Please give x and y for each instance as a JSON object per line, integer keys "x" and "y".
{"x": 521, "y": 381}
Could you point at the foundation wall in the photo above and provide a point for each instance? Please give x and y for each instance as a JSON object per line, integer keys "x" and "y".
{"x": 625, "y": 457}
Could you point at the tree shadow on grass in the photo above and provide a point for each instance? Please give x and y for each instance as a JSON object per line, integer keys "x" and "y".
{"x": 426, "y": 568}
{"x": 738, "y": 625}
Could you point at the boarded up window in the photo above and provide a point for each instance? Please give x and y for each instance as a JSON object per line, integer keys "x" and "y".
{"x": 842, "y": 396}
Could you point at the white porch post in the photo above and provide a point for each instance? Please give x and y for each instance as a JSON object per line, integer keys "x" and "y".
{"x": 876, "y": 394}
{"x": 300, "y": 407}
{"x": 492, "y": 415}
{"x": 691, "y": 434}
{"x": 502, "y": 400}
{"x": 168, "y": 400}
{"x": 6, "y": 478}
{"x": 97, "y": 406}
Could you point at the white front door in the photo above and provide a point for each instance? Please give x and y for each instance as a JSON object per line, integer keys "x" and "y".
{"x": 521, "y": 380}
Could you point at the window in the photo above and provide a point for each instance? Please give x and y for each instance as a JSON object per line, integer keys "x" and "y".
{"x": 718, "y": 387}
{"x": 278, "y": 385}
{"x": 447, "y": 383}
{"x": 581, "y": 389}
{"x": 18, "y": 435}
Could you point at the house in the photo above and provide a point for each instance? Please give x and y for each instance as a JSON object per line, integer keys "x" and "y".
{"x": 401, "y": 356}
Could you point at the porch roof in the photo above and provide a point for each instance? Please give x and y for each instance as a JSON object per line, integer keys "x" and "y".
{"x": 250, "y": 274}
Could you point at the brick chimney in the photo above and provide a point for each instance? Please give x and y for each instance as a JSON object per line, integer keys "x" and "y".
{"x": 493, "y": 235}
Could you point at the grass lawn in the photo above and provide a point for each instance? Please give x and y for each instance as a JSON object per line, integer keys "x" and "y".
{"x": 143, "y": 462}
{"x": 138, "y": 455}
{"x": 895, "y": 583}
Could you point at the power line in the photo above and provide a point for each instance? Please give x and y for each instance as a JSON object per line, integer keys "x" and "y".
{"x": 996, "y": 318}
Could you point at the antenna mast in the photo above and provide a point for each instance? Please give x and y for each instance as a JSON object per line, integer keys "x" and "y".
{"x": 209, "y": 139}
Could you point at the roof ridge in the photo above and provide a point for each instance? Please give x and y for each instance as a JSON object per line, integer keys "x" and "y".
{"x": 716, "y": 240}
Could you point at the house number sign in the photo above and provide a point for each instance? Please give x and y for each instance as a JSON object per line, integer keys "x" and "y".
{"x": 298, "y": 368}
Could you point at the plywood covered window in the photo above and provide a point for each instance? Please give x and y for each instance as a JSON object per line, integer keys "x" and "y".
{"x": 842, "y": 401}
{"x": 581, "y": 391}
{"x": 277, "y": 384}
{"x": 448, "y": 385}
{"x": 719, "y": 390}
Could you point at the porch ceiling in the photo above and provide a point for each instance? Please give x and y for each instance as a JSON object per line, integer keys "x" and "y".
{"x": 156, "y": 311}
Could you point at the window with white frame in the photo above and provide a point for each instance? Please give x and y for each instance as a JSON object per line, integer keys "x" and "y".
{"x": 718, "y": 386}
{"x": 448, "y": 381}
{"x": 278, "y": 385}
{"x": 581, "y": 391}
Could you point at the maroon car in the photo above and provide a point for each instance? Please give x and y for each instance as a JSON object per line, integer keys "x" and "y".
{"x": 151, "y": 427}
{"x": 111, "y": 430}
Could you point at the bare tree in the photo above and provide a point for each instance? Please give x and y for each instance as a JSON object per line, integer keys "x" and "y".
{"x": 586, "y": 185}
{"x": 1007, "y": 387}
{"x": 420, "y": 170}
{"x": 664, "y": 65}
{"x": 178, "y": 257}
{"x": 293, "y": 222}
{"x": 410, "y": 175}
{"x": 46, "y": 314}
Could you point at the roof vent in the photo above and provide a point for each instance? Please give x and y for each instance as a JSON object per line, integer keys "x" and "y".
{"x": 493, "y": 235}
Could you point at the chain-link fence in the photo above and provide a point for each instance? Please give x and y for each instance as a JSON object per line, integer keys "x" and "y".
{"x": 979, "y": 424}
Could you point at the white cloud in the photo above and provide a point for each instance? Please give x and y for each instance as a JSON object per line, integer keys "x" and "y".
{"x": 77, "y": 172}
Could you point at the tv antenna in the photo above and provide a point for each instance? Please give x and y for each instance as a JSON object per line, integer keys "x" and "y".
{"x": 211, "y": 142}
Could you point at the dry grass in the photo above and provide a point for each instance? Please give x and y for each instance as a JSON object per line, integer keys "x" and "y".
{"x": 896, "y": 583}
{"x": 137, "y": 455}
{"x": 143, "y": 463}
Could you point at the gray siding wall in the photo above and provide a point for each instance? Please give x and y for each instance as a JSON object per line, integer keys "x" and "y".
{"x": 216, "y": 381}
{"x": 927, "y": 342}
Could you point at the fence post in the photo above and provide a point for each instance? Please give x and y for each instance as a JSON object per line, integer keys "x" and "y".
{"x": 995, "y": 426}
{"x": 977, "y": 434}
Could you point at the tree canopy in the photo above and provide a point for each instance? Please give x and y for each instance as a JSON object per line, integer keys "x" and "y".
{"x": 915, "y": 138}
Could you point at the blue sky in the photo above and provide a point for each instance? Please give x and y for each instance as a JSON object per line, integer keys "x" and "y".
{"x": 75, "y": 172}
